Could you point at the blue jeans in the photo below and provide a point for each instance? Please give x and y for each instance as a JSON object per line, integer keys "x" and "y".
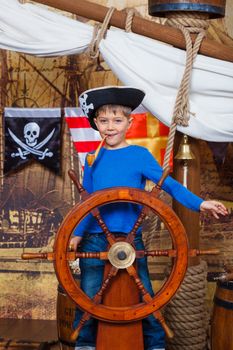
{"x": 91, "y": 280}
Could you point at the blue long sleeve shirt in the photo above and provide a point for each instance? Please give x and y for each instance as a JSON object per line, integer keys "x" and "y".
{"x": 129, "y": 166}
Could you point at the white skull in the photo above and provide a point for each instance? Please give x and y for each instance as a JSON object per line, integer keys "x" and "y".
{"x": 84, "y": 105}
{"x": 31, "y": 133}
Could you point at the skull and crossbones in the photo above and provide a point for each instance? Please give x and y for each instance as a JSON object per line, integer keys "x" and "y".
{"x": 31, "y": 135}
{"x": 84, "y": 105}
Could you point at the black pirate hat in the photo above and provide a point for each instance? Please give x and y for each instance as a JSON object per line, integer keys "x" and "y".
{"x": 91, "y": 100}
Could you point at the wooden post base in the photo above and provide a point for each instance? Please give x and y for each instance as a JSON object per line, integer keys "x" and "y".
{"x": 116, "y": 336}
{"x": 120, "y": 336}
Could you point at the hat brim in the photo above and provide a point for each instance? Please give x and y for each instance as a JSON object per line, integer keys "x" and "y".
{"x": 93, "y": 99}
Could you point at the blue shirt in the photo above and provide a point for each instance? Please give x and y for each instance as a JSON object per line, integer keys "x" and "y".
{"x": 129, "y": 166}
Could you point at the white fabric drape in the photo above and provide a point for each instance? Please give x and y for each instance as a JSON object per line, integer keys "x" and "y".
{"x": 138, "y": 61}
{"x": 37, "y": 31}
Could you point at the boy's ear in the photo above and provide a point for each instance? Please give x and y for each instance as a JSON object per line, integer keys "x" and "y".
{"x": 130, "y": 122}
{"x": 95, "y": 120}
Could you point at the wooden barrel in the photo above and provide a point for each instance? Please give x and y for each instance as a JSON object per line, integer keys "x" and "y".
{"x": 212, "y": 8}
{"x": 222, "y": 318}
{"x": 65, "y": 317}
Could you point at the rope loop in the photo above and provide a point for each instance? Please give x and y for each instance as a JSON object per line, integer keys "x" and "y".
{"x": 131, "y": 12}
{"x": 188, "y": 19}
{"x": 99, "y": 33}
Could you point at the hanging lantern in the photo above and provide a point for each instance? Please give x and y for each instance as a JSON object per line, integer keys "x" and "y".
{"x": 211, "y": 8}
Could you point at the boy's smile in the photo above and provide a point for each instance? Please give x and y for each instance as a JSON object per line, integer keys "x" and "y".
{"x": 114, "y": 126}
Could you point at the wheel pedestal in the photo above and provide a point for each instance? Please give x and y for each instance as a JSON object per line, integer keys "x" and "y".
{"x": 120, "y": 336}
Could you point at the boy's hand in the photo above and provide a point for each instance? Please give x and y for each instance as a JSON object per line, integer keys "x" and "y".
{"x": 74, "y": 243}
{"x": 214, "y": 207}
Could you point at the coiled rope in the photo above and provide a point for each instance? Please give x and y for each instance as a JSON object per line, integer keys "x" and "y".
{"x": 187, "y": 314}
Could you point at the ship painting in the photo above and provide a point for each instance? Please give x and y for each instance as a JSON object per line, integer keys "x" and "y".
{"x": 26, "y": 228}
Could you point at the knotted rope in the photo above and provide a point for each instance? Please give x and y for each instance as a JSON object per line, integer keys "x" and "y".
{"x": 99, "y": 33}
{"x": 100, "y": 30}
{"x": 181, "y": 111}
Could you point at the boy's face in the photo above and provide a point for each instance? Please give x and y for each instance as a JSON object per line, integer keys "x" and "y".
{"x": 114, "y": 127}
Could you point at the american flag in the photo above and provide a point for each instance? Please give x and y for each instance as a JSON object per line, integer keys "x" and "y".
{"x": 145, "y": 131}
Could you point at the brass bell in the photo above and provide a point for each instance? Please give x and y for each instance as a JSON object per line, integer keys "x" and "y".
{"x": 184, "y": 151}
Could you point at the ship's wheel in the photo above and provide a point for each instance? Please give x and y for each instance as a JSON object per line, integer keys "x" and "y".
{"x": 120, "y": 255}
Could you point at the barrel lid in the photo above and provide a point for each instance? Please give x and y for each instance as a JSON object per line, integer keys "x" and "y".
{"x": 160, "y": 10}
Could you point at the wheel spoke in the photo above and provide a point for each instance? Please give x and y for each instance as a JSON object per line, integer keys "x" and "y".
{"x": 96, "y": 300}
{"x": 133, "y": 232}
{"x": 43, "y": 256}
{"x": 161, "y": 252}
{"x": 87, "y": 255}
{"x": 157, "y": 253}
{"x": 133, "y": 273}
{"x": 95, "y": 212}
{"x": 147, "y": 298}
{"x": 145, "y": 210}
{"x": 109, "y": 236}
{"x": 70, "y": 256}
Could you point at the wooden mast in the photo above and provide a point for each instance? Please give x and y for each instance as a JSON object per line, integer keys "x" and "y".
{"x": 140, "y": 26}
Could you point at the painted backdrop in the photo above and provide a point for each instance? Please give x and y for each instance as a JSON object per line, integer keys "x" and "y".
{"x": 33, "y": 201}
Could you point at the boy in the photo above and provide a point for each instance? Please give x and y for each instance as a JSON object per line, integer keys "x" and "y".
{"x": 120, "y": 164}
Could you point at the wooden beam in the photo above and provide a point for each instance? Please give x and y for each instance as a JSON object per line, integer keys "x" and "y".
{"x": 140, "y": 26}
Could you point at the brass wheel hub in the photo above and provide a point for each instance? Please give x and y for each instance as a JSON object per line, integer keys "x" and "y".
{"x": 121, "y": 255}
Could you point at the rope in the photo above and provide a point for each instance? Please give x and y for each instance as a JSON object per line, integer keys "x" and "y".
{"x": 187, "y": 314}
{"x": 129, "y": 19}
{"x": 99, "y": 33}
{"x": 181, "y": 112}
{"x": 100, "y": 30}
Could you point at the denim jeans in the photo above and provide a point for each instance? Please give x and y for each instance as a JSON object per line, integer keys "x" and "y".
{"x": 91, "y": 281}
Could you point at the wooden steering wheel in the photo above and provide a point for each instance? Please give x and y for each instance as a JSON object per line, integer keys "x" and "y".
{"x": 121, "y": 254}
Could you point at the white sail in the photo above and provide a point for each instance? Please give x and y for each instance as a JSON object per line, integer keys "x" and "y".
{"x": 155, "y": 67}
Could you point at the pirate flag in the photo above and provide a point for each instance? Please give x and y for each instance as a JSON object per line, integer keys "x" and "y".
{"x": 32, "y": 134}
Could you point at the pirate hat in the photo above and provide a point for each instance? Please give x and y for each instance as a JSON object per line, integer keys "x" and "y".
{"x": 91, "y": 100}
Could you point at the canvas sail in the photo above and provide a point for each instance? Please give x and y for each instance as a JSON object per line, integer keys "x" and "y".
{"x": 155, "y": 67}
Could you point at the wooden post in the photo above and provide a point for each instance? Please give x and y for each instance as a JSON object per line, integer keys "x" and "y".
{"x": 190, "y": 219}
{"x": 120, "y": 336}
{"x": 3, "y": 95}
{"x": 140, "y": 26}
